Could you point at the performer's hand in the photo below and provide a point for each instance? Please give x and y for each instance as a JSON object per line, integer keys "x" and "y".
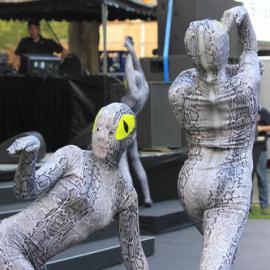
{"x": 28, "y": 143}
{"x": 236, "y": 14}
{"x": 129, "y": 44}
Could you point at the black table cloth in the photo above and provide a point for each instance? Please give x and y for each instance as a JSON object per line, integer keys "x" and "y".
{"x": 58, "y": 108}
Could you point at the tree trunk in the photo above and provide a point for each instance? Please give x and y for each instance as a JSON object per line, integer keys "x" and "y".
{"x": 84, "y": 42}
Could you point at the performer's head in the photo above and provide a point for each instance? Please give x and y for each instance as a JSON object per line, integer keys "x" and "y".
{"x": 129, "y": 39}
{"x": 207, "y": 43}
{"x": 33, "y": 28}
{"x": 114, "y": 130}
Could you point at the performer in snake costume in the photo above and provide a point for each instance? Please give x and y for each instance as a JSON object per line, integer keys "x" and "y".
{"x": 138, "y": 92}
{"x": 78, "y": 192}
{"x": 217, "y": 106}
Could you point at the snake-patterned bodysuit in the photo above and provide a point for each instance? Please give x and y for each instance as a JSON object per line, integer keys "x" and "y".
{"x": 78, "y": 192}
{"x": 217, "y": 104}
{"x": 136, "y": 97}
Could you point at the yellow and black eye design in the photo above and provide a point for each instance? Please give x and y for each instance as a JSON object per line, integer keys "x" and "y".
{"x": 95, "y": 124}
{"x": 125, "y": 127}
{"x": 125, "y": 84}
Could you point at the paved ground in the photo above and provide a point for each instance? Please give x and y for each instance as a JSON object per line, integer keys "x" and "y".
{"x": 180, "y": 250}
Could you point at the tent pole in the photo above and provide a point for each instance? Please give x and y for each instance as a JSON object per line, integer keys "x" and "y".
{"x": 104, "y": 25}
{"x": 167, "y": 41}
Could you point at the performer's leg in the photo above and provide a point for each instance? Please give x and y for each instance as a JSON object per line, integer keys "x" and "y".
{"x": 261, "y": 170}
{"x": 196, "y": 216}
{"x": 140, "y": 172}
{"x": 193, "y": 209}
{"x": 222, "y": 231}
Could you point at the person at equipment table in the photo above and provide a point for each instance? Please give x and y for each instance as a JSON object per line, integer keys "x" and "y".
{"x": 37, "y": 44}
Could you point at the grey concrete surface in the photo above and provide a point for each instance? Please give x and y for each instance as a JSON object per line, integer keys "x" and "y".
{"x": 181, "y": 250}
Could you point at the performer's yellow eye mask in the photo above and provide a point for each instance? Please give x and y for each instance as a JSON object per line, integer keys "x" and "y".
{"x": 95, "y": 124}
{"x": 125, "y": 126}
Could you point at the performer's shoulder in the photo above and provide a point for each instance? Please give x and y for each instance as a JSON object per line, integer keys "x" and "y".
{"x": 243, "y": 81}
{"x": 183, "y": 82}
{"x": 190, "y": 71}
{"x": 187, "y": 74}
{"x": 69, "y": 151}
{"x": 185, "y": 78}
{"x": 70, "y": 148}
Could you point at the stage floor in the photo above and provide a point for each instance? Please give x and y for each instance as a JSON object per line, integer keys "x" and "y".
{"x": 182, "y": 249}
{"x": 162, "y": 169}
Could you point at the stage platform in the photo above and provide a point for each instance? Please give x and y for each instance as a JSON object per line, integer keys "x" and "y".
{"x": 102, "y": 250}
{"x": 95, "y": 255}
{"x": 163, "y": 217}
{"x": 57, "y": 107}
{"x": 162, "y": 169}
{"x": 182, "y": 250}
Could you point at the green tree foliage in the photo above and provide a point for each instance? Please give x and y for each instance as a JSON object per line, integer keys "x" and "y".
{"x": 11, "y": 32}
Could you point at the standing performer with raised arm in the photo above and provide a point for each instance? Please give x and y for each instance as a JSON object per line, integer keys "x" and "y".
{"x": 137, "y": 96}
{"x": 78, "y": 193}
{"x": 218, "y": 112}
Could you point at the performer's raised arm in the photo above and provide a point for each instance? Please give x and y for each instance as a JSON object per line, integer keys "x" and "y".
{"x": 29, "y": 183}
{"x": 130, "y": 47}
{"x": 249, "y": 62}
{"x": 137, "y": 86}
{"x": 129, "y": 234}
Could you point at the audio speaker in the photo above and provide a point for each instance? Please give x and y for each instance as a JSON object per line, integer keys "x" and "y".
{"x": 153, "y": 67}
{"x": 157, "y": 126}
{"x": 185, "y": 12}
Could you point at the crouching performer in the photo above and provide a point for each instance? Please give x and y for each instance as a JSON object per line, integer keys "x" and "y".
{"x": 217, "y": 105}
{"x": 78, "y": 192}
